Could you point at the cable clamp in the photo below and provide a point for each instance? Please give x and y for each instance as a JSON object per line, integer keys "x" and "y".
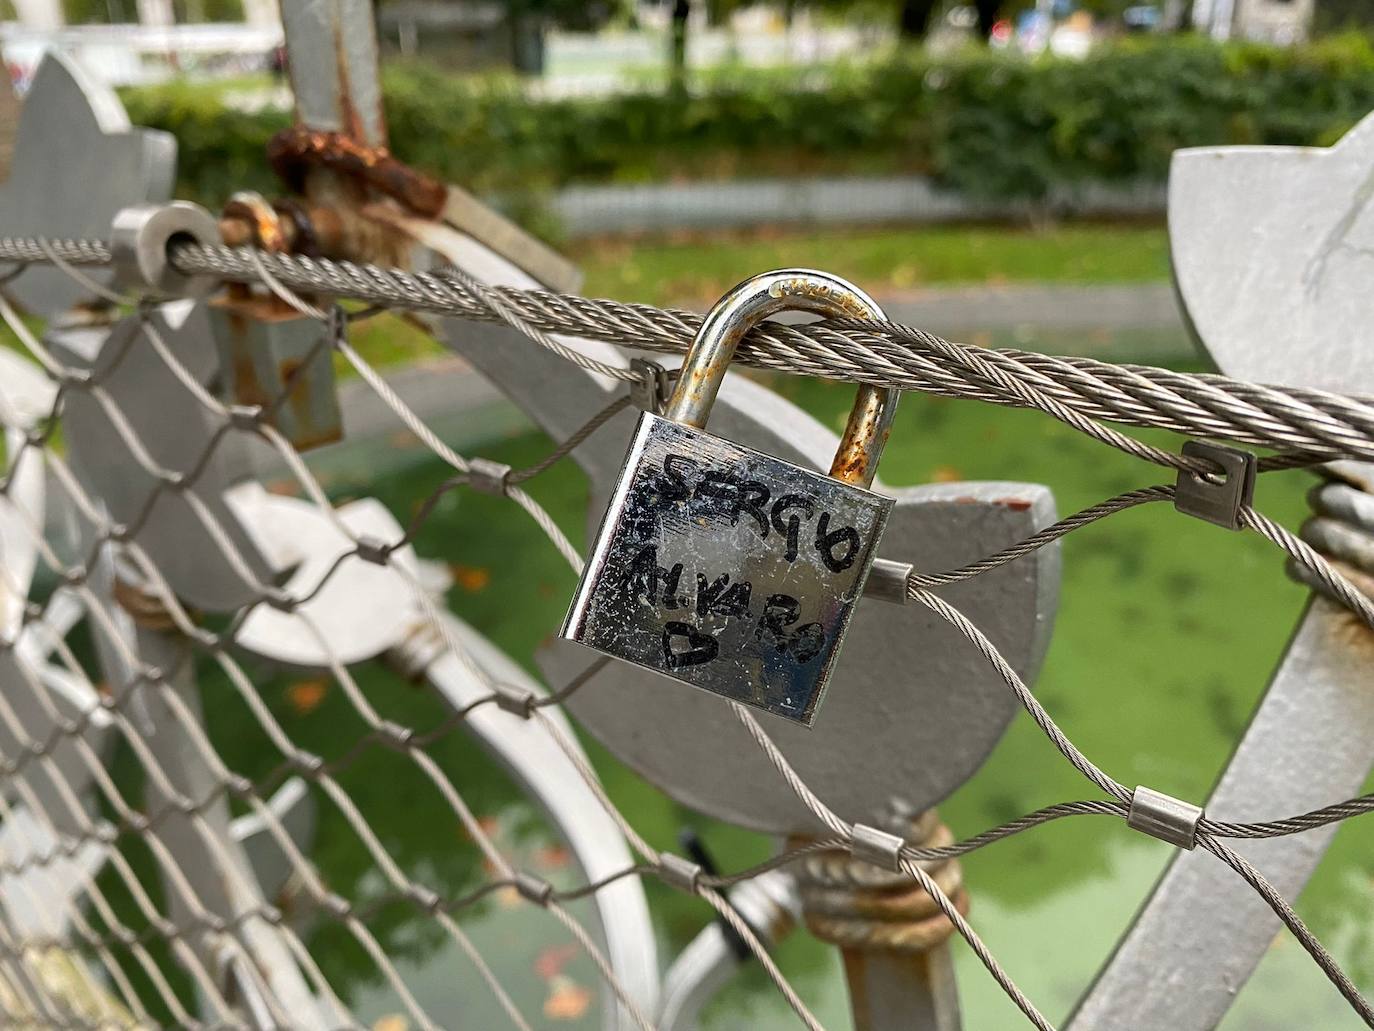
{"x": 245, "y": 417}
{"x": 871, "y": 845}
{"x": 1164, "y": 817}
{"x": 680, "y": 873}
{"x": 518, "y": 702}
{"x": 535, "y": 889}
{"x": 650, "y": 389}
{"x": 887, "y": 580}
{"x": 373, "y": 549}
{"x": 488, "y": 477}
{"x": 1212, "y": 499}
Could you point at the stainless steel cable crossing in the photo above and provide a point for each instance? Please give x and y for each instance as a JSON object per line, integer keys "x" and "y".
{"x": 49, "y": 773}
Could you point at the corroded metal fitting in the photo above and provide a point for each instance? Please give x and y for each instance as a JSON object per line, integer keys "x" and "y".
{"x": 263, "y": 221}
{"x": 420, "y": 649}
{"x": 144, "y": 608}
{"x": 293, "y": 152}
{"x": 856, "y": 904}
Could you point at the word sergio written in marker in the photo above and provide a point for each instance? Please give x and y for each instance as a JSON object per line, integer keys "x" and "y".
{"x": 781, "y": 520}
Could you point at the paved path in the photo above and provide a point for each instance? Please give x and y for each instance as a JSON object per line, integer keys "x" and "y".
{"x": 1126, "y": 306}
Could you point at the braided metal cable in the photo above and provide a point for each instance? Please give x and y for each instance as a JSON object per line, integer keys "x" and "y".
{"x": 1318, "y": 423}
{"x": 1307, "y": 426}
{"x": 1080, "y": 391}
{"x": 146, "y": 824}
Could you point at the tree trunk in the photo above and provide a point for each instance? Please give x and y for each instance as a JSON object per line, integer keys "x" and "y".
{"x": 677, "y": 46}
{"x": 527, "y": 43}
{"x": 988, "y": 13}
{"x": 913, "y": 22}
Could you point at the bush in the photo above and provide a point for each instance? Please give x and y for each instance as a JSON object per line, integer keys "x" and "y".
{"x": 987, "y": 124}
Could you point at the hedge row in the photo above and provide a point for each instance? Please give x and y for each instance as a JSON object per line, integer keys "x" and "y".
{"x": 988, "y": 124}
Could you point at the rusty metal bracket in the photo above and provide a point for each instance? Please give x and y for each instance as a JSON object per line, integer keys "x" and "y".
{"x": 293, "y": 152}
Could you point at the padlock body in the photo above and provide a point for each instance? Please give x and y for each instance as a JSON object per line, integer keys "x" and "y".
{"x": 727, "y": 569}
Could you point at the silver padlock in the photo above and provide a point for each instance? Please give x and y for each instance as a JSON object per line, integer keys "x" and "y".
{"x": 725, "y": 568}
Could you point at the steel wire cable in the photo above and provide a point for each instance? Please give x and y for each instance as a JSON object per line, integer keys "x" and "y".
{"x": 370, "y": 945}
{"x": 1317, "y": 423}
{"x": 1309, "y": 426}
{"x": 884, "y": 354}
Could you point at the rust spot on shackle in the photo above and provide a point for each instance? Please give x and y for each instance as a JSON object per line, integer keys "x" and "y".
{"x": 865, "y": 435}
{"x": 748, "y": 304}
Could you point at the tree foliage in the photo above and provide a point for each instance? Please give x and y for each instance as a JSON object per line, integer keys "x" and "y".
{"x": 985, "y": 123}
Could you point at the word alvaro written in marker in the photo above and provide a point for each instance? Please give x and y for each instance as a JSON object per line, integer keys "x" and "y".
{"x": 727, "y": 569}
{"x": 720, "y": 493}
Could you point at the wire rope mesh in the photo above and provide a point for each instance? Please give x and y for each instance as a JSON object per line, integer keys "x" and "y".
{"x": 129, "y": 823}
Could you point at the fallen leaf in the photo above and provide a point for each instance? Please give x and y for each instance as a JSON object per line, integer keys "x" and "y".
{"x": 554, "y": 857}
{"x": 551, "y": 961}
{"x": 508, "y": 897}
{"x": 945, "y": 474}
{"x": 470, "y": 578}
{"x": 567, "y": 1000}
{"x": 394, "y": 1022}
{"x": 305, "y": 696}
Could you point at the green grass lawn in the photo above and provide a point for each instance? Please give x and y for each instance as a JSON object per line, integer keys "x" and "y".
{"x": 693, "y": 270}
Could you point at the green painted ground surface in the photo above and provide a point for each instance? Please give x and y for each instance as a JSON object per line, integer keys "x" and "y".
{"x": 695, "y": 270}
{"x": 1166, "y": 632}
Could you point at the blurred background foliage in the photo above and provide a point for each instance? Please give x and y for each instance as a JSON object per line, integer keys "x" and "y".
{"x": 985, "y": 123}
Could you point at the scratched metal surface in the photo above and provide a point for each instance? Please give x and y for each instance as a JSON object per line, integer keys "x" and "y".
{"x": 727, "y": 569}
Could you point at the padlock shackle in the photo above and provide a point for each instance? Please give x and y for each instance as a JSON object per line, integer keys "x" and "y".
{"x": 744, "y": 307}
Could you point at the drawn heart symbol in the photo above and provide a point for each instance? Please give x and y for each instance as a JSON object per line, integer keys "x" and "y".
{"x": 700, "y": 647}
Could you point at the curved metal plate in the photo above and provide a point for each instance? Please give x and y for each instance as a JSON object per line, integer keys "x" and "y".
{"x": 175, "y": 428}
{"x": 1273, "y": 252}
{"x": 77, "y": 161}
{"x": 362, "y": 611}
{"x": 1273, "y": 256}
